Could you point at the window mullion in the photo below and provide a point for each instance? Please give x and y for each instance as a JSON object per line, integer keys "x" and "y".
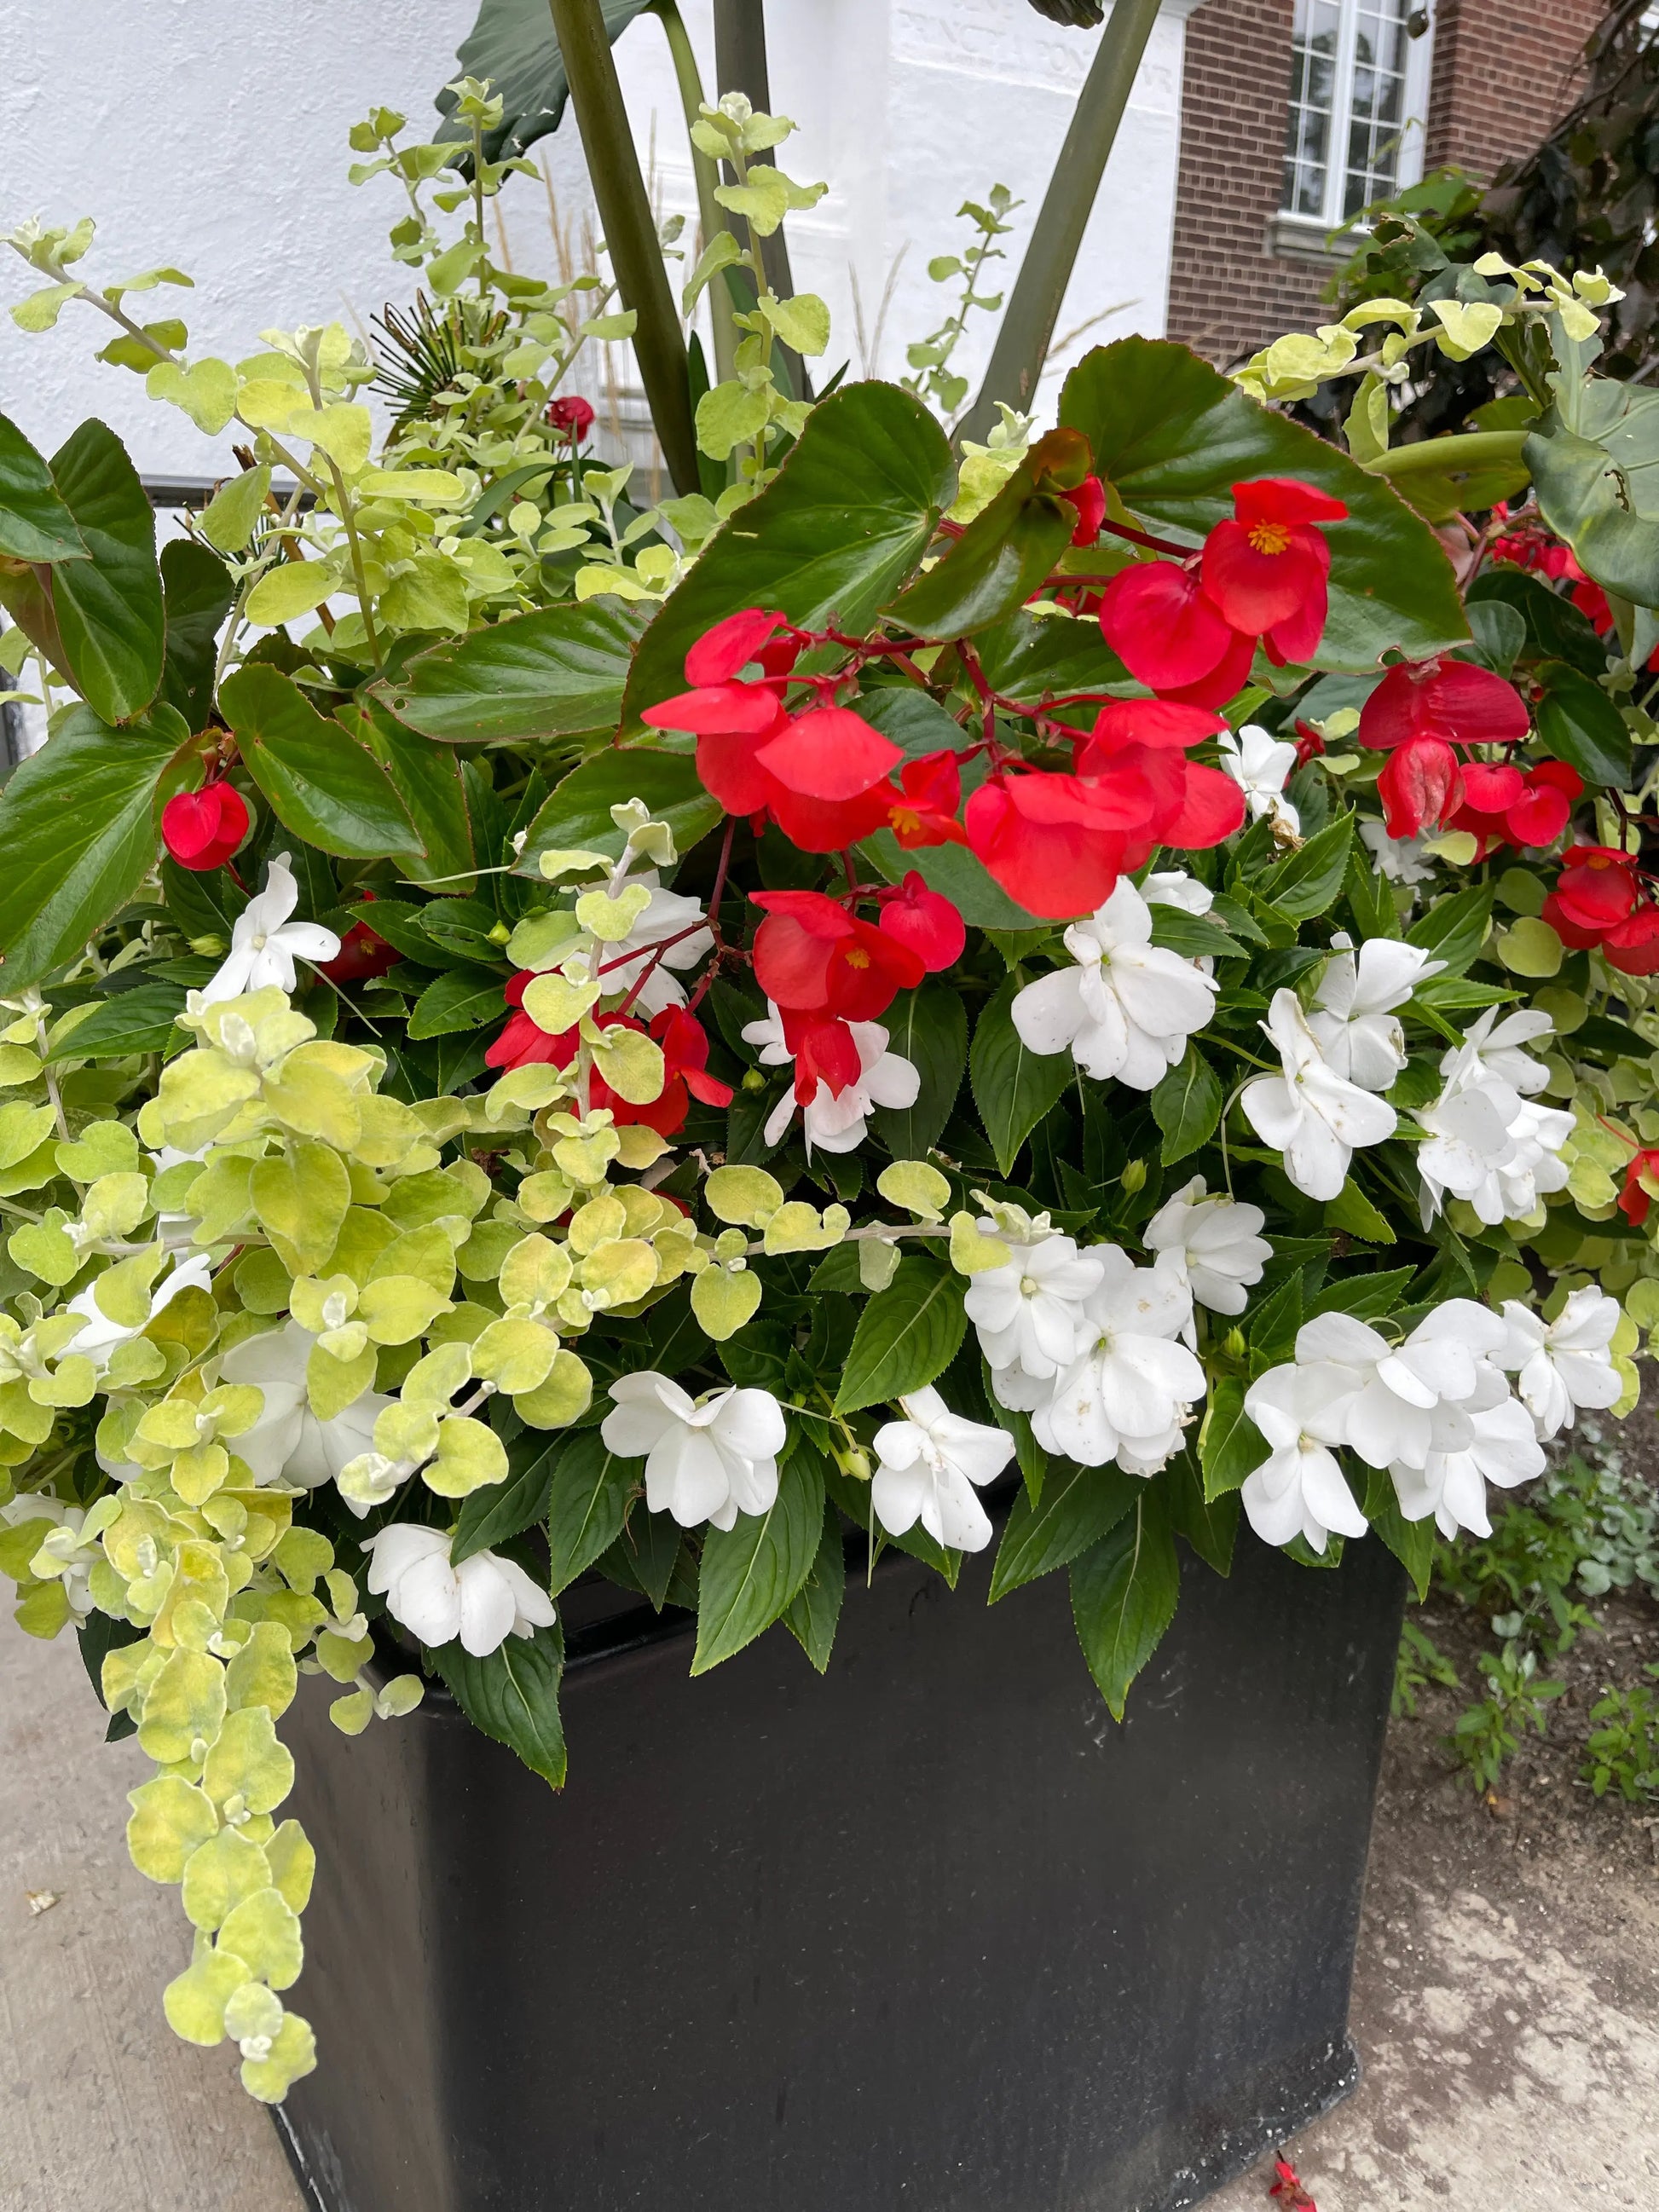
{"x": 1336, "y": 172}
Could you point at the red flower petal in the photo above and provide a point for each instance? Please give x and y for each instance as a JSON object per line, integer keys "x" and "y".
{"x": 1633, "y": 946}
{"x": 927, "y": 921}
{"x": 1491, "y": 788}
{"x": 1212, "y": 808}
{"x": 1089, "y": 501}
{"x": 830, "y": 753}
{"x": 719, "y": 710}
{"x": 1539, "y": 815}
{"x": 1419, "y": 783}
{"x": 1049, "y": 847}
{"x": 1262, "y": 575}
{"x": 201, "y": 829}
{"x": 1443, "y": 698}
{"x": 1224, "y": 681}
{"x": 1286, "y": 499}
{"x": 824, "y": 1049}
{"x": 1147, "y": 722}
{"x": 1161, "y": 625}
{"x": 829, "y": 825}
{"x": 730, "y": 773}
{"x": 719, "y": 654}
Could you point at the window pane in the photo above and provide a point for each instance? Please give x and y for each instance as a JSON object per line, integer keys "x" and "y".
{"x": 1312, "y": 89}
{"x": 1379, "y": 102}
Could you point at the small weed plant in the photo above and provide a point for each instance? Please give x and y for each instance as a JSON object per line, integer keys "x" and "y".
{"x": 1623, "y": 1753}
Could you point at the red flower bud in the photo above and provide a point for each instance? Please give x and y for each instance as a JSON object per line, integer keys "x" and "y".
{"x": 573, "y": 416}
{"x": 1089, "y": 501}
{"x": 202, "y": 829}
{"x": 1419, "y": 784}
{"x": 926, "y": 920}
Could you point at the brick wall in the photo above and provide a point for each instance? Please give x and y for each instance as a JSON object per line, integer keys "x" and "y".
{"x": 1228, "y": 294}
{"x": 1504, "y": 71}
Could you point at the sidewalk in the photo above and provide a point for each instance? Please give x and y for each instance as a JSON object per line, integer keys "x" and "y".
{"x": 1506, "y": 2007}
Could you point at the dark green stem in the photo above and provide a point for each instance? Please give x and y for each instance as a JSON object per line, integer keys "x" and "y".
{"x": 710, "y": 213}
{"x": 1028, "y": 325}
{"x": 740, "y": 65}
{"x": 630, "y": 232}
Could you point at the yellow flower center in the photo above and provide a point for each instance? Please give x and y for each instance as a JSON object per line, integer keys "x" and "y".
{"x": 1270, "y": 536}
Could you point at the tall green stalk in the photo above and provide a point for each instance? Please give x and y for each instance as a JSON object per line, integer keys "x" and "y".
{"x": 740, "y": 65}
{"x": 1028, "y": 325}
{"x": 710, "y": 213}
{"x": 630, "y": 231}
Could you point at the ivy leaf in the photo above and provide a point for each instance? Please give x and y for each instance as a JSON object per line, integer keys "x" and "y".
{"x": 1231, "y": 1447}
{"x": 513, "y": 1695}
{"x": 842, "y": 524}
{"x": 108, "y": 608}
{"x": 576, "y": 816}
{"x": 321, "y": 784}
{"x": 814, "y": 1611}
{"x": 489, "y": 1516}
{"x": 751, "y": 1572}
{"x": 907, "y": 1335}
{"x": 1172, "y": 436}
{"x": 78, "y": 834}
{"x": 558, "y": 673}
{"x": 1124, "y": 1593}
{"x": 1079, "y": 1505}
{"x": 1187, "y": 1105}
{"x": 929, "y": 1027}
{"x": 586, "y": 1506}
{"x": 1013, "y": 1087}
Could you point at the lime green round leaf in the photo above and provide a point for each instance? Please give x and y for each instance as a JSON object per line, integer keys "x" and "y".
{"x": 293, "y": 2053}
{"x": 321, "y": 784}
{"x": 77, "y": 832}
{"x": 195, "y": 2000}
{"x": 170, "y": 1819}
{"x": 219, "y": 1874}
{"x": 262, "y": 1931}
{"x": 1173, "y": 435}
{"x": 247, "y": 1762}
{"x": 109, "y": 609}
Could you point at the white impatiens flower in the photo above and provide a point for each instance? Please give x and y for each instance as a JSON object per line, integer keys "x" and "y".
{"x": 1500, "y": 1447}
{"x": 666, "y": 915}
{"x": 288, "y": 1443}
{"x": 1353, "y": 1013}
{"x": 1128, "y": 1007}
{"x": 100, "y": 1335}
{"x": 1175, "y": 887}
{"x": 1395, "y": 1404}
{"x": 1397, "y": 859}
{"x": 706, "y": 1461}
{"x": 1311, "y": 1113}
{"x": 927, "y": 1466}
{"x": 265, "y": 944}
{"x": 1565, "y": 1366}
{"x": 834, "y": 1122}
{"x": 1486, "y": 1141}
{"x": 1299, "y": 1489}
{"x": 1261, "y": 765}
{"x": 1029, "y": 1312}
{"x": 483, "y": 1601}
{"x": 1215, "y": 1244}
{"x": 1129, "y": 1392}
{"x": 62, "y": 1556}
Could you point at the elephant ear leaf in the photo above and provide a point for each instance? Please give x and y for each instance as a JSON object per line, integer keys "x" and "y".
{"x": 110, "y": 616}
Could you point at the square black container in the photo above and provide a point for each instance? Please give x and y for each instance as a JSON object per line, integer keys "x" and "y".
{"x": 931, "y": 1933}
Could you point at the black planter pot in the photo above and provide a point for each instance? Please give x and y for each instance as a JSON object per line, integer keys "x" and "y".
{"x": 932, "y": 1932}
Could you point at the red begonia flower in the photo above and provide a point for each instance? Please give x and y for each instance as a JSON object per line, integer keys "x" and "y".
{"x": 1419, "y": 783}
{"x": 723, "y": 652}
{"x": 684, "y": 1045}
{"x": 812, "y": 956}
{"x": 521, "y": 1043}
{"x": 1502, "y": 806}
{"x": 830, "y": 753}
{"x": 1633, "y": 945}
{"x": 1057, "y": 844}
{"x": 1089, "y": 501}
{"x": 1266, "y": 569}
{"x": 926, "y": 813}
{"x": 1149, "y": 722}
{"x": 1595, "y": 890}
{"x": 1635, "y": 1198}
{"x": 1591, "y": 602}
{"x": 1192, "y": 806}
{"x": 824, "y": 1049}
{"x": 1163, "y": 627}
{"x": 926, "y": 920}
{"x": 1225, "y": 681}
{"x": 829, "y": 825}
{"x": 573, "y": 415}
{"x": 1452, "y": 700}
{"x": 1310, "y": 745}
{"x": 363, "y": 954}
{"x": 203, "y": 829}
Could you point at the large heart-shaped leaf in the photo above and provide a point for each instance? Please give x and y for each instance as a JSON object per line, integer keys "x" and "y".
{"x": 577, "y": 815}
{"x": 556, "y": 673}
{"x": 77, "y": 834}
{"x": 839, "y": 529}
{"x": 109, "y": 609}
{"x": 512, "y": 45}
{"x": 1173, "y": 436}
{"x": 1000, "y": 558}
{"x": 321, "y": 784}
{"x": 34, "y": 523}
{"x": 197, "y": 592}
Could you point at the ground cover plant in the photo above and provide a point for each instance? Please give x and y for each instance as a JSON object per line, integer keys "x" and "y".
{"x": 1059, "y": 992}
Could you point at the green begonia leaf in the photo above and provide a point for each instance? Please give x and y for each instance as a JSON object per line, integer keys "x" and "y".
{"x": 109, "y": 608}
{"x": 196, "y": 592}
{"x": 577, "y": 815}
{"x": 36, "y": 525}
{"x": 321, "y": 784}
{"x": 558, "y": 673}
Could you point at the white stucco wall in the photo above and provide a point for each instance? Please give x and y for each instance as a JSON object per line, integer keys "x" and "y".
{"x": 212, "y": 133}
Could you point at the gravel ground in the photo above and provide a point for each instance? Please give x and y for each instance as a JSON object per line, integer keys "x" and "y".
{"x": 1506, "y": 2006}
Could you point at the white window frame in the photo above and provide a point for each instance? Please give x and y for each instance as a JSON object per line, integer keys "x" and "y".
{"x": 1413, "y": 129}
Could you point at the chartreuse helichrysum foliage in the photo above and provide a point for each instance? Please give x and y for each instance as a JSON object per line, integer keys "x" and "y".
{"x": 1042, "y": 1002}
